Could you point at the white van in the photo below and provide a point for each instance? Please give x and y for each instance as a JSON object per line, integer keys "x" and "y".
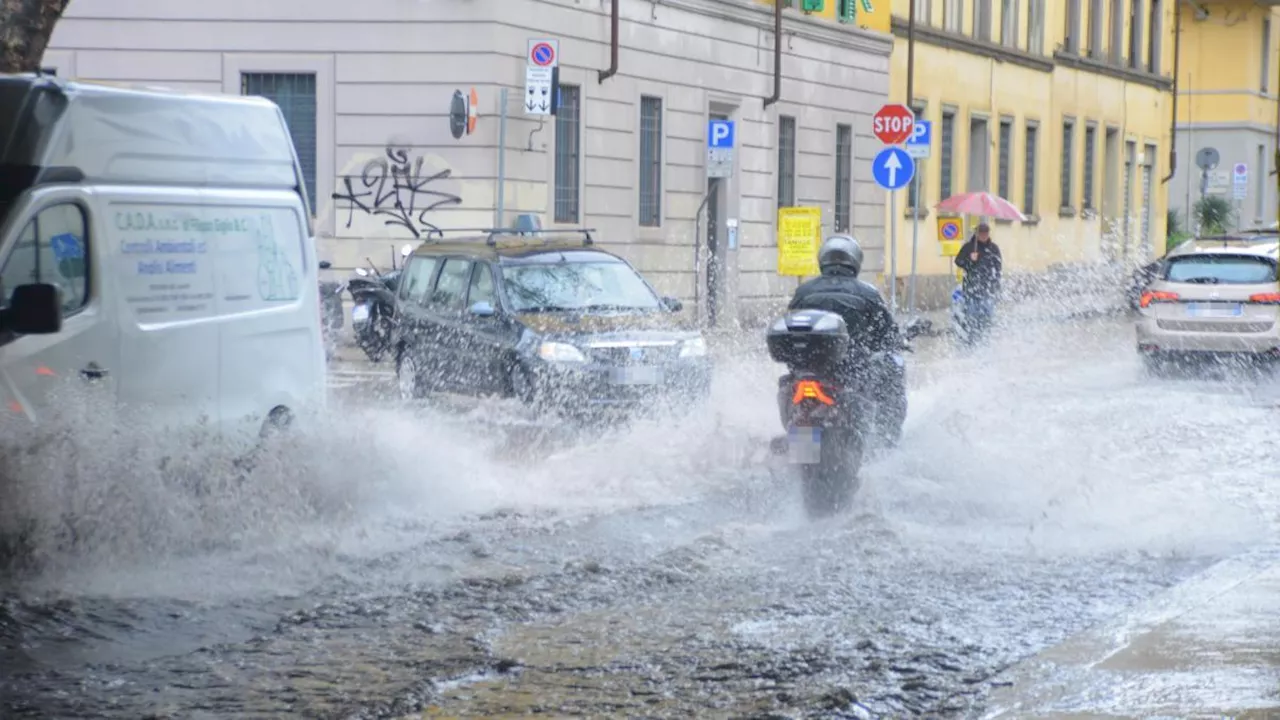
{"x": 155, "y": 247}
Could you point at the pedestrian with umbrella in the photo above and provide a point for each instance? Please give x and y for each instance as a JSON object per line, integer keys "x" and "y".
{"x": 980, "y": 258}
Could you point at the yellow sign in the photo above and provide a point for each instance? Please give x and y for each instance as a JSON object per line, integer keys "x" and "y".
{"x": 950, "y": 248}
{"x": 799, "y": 236}
{"x": 950, "y": 230}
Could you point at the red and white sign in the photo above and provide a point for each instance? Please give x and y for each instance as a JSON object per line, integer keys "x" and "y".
{"x": 543, "y": 52}
{"x": 893, "y": 124}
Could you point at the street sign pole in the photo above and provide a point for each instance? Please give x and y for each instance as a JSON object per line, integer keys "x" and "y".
{"x": 915, "y": 251}
{"x": 893, "y": 251}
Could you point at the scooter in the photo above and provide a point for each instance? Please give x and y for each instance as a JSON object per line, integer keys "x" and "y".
{"x": 373, "y": 312}
{"x": 831, "y": 427}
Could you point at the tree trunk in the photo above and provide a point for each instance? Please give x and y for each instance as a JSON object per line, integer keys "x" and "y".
{"x": 25, "y": 29}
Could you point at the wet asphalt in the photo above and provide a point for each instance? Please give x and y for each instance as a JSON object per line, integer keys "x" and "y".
{"x": 460, "y": 560}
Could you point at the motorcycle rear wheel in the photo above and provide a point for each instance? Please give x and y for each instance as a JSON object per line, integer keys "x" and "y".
{"x": 830, "y": 484}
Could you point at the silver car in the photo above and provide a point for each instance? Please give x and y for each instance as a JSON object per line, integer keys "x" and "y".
{"x": 1213, "y": 297}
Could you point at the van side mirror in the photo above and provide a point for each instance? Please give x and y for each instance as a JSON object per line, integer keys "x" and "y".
{"x": 672, "y": 304}
{"x": 325, "y": 264}
{"x": 34, "y": 309}
{"x": 483, "y": 308}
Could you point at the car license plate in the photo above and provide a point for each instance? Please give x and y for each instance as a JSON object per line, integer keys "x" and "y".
{"x": 360, "y": 312}
{"x": 1215, "y": 309}
{"x": 639, "y": 375}
{"x": 804, "y": 445}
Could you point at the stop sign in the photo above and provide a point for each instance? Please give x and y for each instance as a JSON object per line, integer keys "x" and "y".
{"x": 893, "y": 124}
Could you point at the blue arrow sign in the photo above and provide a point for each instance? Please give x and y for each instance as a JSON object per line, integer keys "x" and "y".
{"x": 720, "y": 134}
{"x": 893, "y": 168}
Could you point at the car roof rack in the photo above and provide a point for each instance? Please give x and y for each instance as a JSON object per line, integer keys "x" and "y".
{"x": 526, "y": 225}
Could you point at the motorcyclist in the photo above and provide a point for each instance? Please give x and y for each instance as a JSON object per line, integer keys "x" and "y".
{"x": 875, "y": 355}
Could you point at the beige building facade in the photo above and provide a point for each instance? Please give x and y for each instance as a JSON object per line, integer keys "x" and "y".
{"x": 366, "y": 88}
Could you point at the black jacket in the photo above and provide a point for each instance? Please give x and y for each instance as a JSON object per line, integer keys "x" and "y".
{"x": 982, "y": 277}
{"x": 871, "y": 325}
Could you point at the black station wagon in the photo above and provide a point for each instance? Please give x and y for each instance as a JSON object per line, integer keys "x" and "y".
{"x": 545, "y": 317}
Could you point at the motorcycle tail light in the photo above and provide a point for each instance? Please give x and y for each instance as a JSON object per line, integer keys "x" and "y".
{"x": 811, "y": 390}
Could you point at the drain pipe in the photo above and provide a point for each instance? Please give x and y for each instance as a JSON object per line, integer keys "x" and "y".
{"x": 613, "y": 44}
{"x": 1173, "y": 123}
{"x": 777, "y": 54}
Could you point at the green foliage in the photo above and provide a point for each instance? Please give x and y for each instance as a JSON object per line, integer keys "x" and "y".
{"x": 1214, "y": 214}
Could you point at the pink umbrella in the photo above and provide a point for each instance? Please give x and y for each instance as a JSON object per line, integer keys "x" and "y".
{"x": 981, "y": 203}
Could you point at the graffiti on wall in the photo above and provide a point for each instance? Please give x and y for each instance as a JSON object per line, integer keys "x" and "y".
{"x": 396, "y": 188}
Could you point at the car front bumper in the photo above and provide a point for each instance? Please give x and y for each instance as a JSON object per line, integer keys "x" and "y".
{"x": 586, "y": 386}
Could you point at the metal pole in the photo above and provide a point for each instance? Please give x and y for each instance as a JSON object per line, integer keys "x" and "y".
{"x": 893, "y": 251}
{"x": 915, "y": 248}
{"x": 500, "y": 213}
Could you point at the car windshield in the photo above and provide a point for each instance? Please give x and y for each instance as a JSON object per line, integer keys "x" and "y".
{"x": 577, "y": 286}
{"x": 1221, "y": 270}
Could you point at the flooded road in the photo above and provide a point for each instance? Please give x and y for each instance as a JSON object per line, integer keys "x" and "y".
{"x": 448, "y": 561}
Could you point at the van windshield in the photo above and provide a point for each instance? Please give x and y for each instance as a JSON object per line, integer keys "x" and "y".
{"x": 577, "y": 286}
{"x": 11, "y": 97}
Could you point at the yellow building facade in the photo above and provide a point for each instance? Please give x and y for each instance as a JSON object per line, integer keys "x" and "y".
{"x": 1228, "y": 82}
{"x": 1063, "y": 107}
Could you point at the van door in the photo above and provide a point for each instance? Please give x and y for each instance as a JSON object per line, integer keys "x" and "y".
{"x": 483, "y": 342}
{"x": 163, "y": 269}
{"x": 44, "y": 375}
{"x": 411, "y": 310}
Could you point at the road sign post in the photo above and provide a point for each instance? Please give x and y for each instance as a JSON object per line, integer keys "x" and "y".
{"x": 720, "y": 148}
{"x": 893, "y": 170}
{"x": 918, "y": 148}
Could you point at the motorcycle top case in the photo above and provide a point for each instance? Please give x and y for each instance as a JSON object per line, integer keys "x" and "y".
{"x": 809, "y": 339}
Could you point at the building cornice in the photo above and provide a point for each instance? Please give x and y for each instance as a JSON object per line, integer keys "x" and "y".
{"x": 963, "y": 43}
{"x": 1141, "y": 77}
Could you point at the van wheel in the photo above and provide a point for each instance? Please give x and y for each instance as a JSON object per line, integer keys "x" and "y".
{"x": 278, "y": 421}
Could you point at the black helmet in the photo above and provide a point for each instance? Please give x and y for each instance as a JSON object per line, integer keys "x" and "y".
{"x": 840, "y": 251}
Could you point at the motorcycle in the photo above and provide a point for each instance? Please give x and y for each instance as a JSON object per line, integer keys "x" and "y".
{"x": 331, "y": 314}
{"x": 831, "y": 425}
{"x": 374, "y": 305}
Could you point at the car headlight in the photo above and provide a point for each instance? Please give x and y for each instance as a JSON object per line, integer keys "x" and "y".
{"x": 694, "y": 347}
{"x": 560, "y": 352}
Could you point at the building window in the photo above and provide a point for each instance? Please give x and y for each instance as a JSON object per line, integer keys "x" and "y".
{"x": 1009, "y": 23}
{"x": 1090, "y": 143}
{"x": 1117, "y": 31}
{"x": 846, "y": 10}
{"x": 1130, "y": 160}
{"x": 1260, "y": 183}
{"x": 1068, "y": 157}
{"x": 1071, "y": 36}
{"x": 1006, "y": 159}
{"x": 1031, "y": 152}
{"x": 650, "y": 161}
{"x": 1148, "y": 172}
{"x": 1035, "y": 27}
{"x": 844, "y": 177}
{"x": 917, "y": 179}
{"x": 568, "y": 154}
{"x": 1095, "y": 28}
{"x": 1135, "y": 34}
{"x": 953, "y": 15}
{"x": 1266, "y": 54}
{"x": 924, "y": 11}
{"x": 946, "y": 159}
{"x": 786, "y": 161}
{"x": 1154, "y": 47}
{"x": 979, "y": 155}
{"x": 982, "y": 20}
{"x": 295, "y": 93}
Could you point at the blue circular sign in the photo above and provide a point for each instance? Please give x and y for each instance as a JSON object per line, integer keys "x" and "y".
{"x": 951, "y": 230}
{"x": 543, "y": 54}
